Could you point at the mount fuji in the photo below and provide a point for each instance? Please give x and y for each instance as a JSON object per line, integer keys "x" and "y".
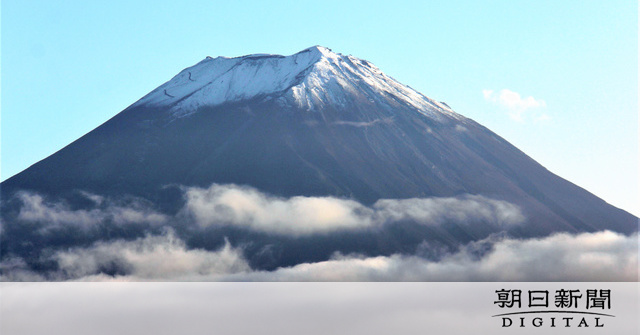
{"x": 286, "y": 131}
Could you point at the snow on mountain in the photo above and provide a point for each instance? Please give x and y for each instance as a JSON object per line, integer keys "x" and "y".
{"x": 310, "y": 79}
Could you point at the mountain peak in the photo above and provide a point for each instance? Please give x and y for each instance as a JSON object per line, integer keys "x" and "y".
{"x": 318, "y": 49}
{"x": 311, "y": 79}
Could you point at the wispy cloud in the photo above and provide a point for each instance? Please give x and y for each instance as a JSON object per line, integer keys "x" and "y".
{"x": 601, "y": 256}
{"x": 515, "y": 104}
{"x": 250, "y": 208}
{"x": 163, "y": 257}
{"x": 57, "y": 214}
{"x": 363, "y": 124}
{"x": 435, "y": 211}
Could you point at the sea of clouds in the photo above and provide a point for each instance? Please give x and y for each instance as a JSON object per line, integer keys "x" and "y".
{"x": 162, "y": 255}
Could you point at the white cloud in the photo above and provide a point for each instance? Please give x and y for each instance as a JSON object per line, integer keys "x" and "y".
{"x": 164, "y": 257}
{"x": 513, "y": 102}
{"x": 601, "y": 256}
{"x": 250, "y": 208}
{"x": 16, "y": 269}
{"x": 461, "y": 128}
{"x": 435, "y": 211}
{"x": 55, "y": 215}
{"x": 363, "y": 124}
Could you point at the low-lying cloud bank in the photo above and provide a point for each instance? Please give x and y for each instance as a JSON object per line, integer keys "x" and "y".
{"x": 57, "y": 214}
{"x": 250, "y": 208}
{"x": 162, "y": 258}
{"x": 601, "y": 256}
{"x": 246, "y": 207}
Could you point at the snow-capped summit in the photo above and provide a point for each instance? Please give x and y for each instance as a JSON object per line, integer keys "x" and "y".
{"x": 312, "y": 78}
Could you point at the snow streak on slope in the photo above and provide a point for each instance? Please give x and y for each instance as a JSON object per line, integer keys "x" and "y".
{"x": 311, "y": 79}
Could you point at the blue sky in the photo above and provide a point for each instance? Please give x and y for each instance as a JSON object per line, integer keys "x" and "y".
{"x": 558, "y": 80}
